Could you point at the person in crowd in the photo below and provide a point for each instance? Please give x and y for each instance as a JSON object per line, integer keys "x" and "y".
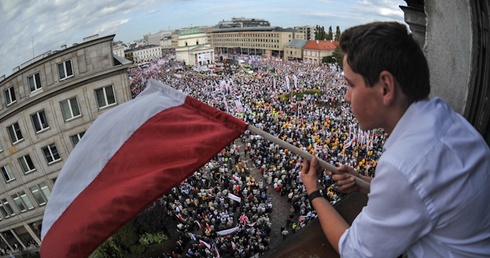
{"x": 429, "y": 193}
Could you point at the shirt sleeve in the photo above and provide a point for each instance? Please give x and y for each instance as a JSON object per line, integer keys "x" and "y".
{"x": 394, "y": 218}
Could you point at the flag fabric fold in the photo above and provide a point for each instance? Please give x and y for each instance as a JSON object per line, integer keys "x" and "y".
{"x": 130, "y": 156}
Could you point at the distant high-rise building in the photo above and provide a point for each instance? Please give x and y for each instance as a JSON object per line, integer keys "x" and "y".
{"x": 242, "y": 22}
{"x": 162, "y": 39}
{"x": 305, "y": 32}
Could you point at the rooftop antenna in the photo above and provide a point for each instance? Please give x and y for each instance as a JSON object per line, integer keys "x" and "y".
{"x": 32, "y": 37}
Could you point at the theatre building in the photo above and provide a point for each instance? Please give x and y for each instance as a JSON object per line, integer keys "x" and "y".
{"x": 46, "y": 106}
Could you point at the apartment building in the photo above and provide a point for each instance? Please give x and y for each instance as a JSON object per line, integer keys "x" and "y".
{"x": 47, "y": 105}
{"x": 305, "y": 32}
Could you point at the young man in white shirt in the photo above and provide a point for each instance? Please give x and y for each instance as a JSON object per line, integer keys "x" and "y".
{"x": 430, "y": 193}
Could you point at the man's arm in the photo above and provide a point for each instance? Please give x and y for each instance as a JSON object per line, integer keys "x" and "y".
{"x": 333, "y": 225}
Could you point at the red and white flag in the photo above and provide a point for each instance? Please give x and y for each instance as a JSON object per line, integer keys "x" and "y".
{"x": 129, "y": 157}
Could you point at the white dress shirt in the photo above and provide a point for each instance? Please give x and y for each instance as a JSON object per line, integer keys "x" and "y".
{"x": 431, "y": 191}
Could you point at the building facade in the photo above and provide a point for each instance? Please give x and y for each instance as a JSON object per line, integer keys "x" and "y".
{"x": 242, "y": 22}
{"x": 193, "y": 47}
{"x": 118, "y": 49}
{"x": 294, "y": 49}
{"x": 45, "y": 109}
{"x": 305, "y": 32}
{"x": 162, "y": 39}
{"x": 315, "y": 50}
{"x": 266, "y": 41}
{"x": 144, "y": 54}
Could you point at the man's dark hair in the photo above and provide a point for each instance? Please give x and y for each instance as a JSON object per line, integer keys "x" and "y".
{"x": 387, "y": 46}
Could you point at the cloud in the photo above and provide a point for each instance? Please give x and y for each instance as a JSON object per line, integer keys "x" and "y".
{"x": 111, "y": 27}
{"x": 32, "y": 27}
{"x": 380, "y": 8}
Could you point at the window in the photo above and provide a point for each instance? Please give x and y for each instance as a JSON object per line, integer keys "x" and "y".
{"x": 76, "y": 138}
{"x": 22, "y": 201}
{"x": 15, "y": 133}
{"x": 41, "y": 193}
{"x": 7, "y": 173}
{"x": 69, "y": 108}
{"x": 39, "y": 121}
{"x": 6, "y": 209}
{"x": 26, "y": 164}
{"x": 65, "y": 70}
{"x": 34, "y": 82}
{"x": 51, "y": 153}
{"x": 10, "y": 96}
{"x": 105, "y": 96}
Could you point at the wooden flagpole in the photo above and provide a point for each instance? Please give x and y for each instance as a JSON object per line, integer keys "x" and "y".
{"x": 303, "y": 154}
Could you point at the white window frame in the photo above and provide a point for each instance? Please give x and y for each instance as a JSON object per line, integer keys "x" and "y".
{"x": 50, "y": 152}
{"x": 40, "y": 190}
{"x": 104, "y": 94}
{"x": 7, "y": 172}
{"x": 25, "y": 163}
{"x": 76, "y": 138}
{"x": 37, "y": 121}
{"x": 65, "y": 73}
{"x": 14, "y": 131}
{"x": 68, "y": 103}
{"x": 21, "y": 199}
{"x": 7, "y": 210}
{"x": 33, "y": 82}
{"x": 10, "y": 96}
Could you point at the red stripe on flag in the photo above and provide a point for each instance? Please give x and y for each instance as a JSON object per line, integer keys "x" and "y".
{"x": 165, "y": 150}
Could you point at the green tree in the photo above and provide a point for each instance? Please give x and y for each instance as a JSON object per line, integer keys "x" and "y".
{"x": 329, "y": 36}
{"x": 328, "y": 59}
{"x": 136, "y": 236}
{"x": 338, "y": 33}
{"x": 320, "y": 33}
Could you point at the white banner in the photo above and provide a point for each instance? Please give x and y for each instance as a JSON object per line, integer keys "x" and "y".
{"x": 234, "y": 197}
{"x": 227, "y": 231}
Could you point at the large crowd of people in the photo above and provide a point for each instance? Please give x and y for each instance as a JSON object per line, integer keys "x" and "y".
{"x": 223, "y": 210}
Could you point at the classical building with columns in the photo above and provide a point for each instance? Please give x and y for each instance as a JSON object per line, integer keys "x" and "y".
{"x": 47, "y": 104}
{"x": 194, "y": 48}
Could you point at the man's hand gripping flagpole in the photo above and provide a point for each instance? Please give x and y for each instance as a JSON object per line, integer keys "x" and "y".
{"x": 360, "y": 182}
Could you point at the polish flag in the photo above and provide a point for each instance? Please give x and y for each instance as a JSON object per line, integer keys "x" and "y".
{"x": 129, "y": 157}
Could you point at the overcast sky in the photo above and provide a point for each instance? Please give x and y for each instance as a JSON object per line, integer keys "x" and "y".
{"x": 32, "y": 27}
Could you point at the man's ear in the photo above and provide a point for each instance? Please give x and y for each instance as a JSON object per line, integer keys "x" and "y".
{"x": 388, "y": 86}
